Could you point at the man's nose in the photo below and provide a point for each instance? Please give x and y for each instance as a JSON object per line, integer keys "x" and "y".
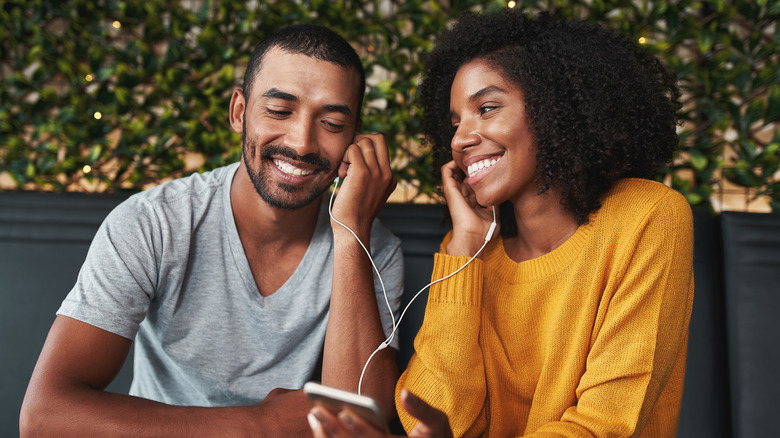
{"x": 301, "y": 137}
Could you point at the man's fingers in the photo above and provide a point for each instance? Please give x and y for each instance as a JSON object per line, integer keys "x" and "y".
{"x": 316, "y": 427}
{"x": 346, "y": 423}
{"x": 375, "y": 148}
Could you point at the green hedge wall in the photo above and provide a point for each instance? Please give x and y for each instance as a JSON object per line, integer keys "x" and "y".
{"x": 114, "y": 95}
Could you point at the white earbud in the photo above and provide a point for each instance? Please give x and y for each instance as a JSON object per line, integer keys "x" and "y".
{"x": 492, "y": 227}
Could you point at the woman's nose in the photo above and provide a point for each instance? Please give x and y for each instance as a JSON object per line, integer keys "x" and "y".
{"x": 464, "y": 137}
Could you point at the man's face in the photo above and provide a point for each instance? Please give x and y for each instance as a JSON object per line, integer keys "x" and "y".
{"x": 299, "y": 120}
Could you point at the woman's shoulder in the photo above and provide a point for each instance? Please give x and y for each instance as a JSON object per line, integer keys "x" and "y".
{"x": 633, "y": 200}
{"x": 644, "y": 194}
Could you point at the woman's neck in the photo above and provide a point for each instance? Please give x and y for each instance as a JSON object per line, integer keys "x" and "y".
{"x": 542, "y": 226}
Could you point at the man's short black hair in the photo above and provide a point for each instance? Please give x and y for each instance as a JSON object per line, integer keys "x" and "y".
{"x": 311, "y": 40}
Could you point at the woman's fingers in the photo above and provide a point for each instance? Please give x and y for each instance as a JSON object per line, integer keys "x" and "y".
{"x": 433, "y": 422}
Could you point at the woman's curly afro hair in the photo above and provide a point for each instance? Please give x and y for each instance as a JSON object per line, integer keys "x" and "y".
{"x": 600, "y": 108}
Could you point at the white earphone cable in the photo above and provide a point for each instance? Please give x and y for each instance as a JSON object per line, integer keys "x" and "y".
{"x": 389, "y": 339}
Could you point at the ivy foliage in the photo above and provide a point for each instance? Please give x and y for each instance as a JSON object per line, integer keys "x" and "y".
{"x": 119, "y": 95}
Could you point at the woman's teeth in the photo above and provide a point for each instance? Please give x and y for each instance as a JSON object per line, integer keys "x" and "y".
{"x": 474, "y": 168}
{"x": 290, "y": 169}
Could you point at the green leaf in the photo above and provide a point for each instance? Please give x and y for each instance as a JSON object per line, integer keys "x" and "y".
{"x": 755, "y": 112}
{"x": 698, "y": 160}
{"x": 94, "y": 153}
{"x": 773, "y": 103}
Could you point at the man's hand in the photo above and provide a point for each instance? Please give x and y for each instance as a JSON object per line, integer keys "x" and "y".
{"x": 281, "y": 413}
{"x": 433, "y": 423}
{"x": 368, "y": 182}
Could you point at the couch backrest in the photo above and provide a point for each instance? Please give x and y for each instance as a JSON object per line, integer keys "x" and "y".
{"x": 44, "y": 239}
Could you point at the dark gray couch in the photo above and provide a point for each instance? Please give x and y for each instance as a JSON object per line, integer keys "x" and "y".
{"x": 732, "y": 373}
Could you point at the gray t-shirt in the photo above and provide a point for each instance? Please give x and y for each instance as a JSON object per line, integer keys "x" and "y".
{"x": 167, "y": 269}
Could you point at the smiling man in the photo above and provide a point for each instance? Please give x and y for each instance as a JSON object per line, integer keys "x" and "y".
{"x": 235, "y": 285}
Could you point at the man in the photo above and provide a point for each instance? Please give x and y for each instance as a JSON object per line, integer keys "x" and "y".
{"x": 234, "y": 289}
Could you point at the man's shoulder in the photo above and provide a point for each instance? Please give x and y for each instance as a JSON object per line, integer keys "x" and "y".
{"x": 179, "y": 198}
{"x": 188, "y": 186}
{"x": 384, "y": 240}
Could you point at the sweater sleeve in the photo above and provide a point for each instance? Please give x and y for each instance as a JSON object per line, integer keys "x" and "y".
{"x": 447, "y": 370}
{"x": 639, "y": 340}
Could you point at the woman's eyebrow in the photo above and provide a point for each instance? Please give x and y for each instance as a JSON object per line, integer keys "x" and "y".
{"x": 484, "y": 91}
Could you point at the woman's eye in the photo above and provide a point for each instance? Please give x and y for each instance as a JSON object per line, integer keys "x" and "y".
{"x": 486, "y": 109}
{"x": 453, "y": 129}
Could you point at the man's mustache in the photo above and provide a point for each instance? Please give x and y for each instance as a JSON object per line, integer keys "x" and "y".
{"x": 272, "y": 150}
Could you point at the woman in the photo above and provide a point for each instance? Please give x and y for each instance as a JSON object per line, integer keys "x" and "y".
{"x": 574, "y": 321}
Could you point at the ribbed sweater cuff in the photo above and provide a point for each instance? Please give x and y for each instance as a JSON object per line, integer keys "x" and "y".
{"x": 465, "y": 287}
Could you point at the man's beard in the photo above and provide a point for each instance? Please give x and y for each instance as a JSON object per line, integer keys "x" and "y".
{"x": 283, "y": 195}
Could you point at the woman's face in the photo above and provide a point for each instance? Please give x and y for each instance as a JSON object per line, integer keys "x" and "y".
{"x": 493, "y": 144}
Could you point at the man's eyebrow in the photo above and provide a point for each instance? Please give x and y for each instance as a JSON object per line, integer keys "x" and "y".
{"x": 484, "y": 91}
{"x": 337, "y": 108}
{"x": 275, "y": 93}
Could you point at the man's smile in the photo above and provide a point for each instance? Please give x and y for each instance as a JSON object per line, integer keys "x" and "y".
{"x": 290, "y": 169}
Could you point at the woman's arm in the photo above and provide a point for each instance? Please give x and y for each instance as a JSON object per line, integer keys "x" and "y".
{"x": 447, "y": 369}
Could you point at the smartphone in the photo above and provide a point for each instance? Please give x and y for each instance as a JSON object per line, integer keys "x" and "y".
{"x": 337, "y": 399}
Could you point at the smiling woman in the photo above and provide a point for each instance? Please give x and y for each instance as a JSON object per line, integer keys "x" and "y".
{"x": 574, "y": 321}
{"x": 492, "y": 143}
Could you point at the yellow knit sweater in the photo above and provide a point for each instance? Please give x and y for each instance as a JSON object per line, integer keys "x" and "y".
{"x": 587, "y": 340}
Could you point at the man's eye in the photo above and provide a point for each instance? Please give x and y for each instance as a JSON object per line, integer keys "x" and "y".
{"x": 277, "y": 113}
{"x": 330, "y": 126}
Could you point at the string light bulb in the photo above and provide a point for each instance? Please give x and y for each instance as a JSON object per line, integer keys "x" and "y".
{"x": 642, "y": 40}
{"x": 511, "y": 4}
{"x": 116, "y": 24}
{"x": 88, "y": 78}
{"x": 97, "y": 115}
{"x": 87, "y": 168}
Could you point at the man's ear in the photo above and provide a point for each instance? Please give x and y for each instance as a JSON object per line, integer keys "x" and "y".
{"x": 237, "y": 109}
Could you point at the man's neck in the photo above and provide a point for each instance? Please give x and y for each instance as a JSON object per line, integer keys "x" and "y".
{"x": 263, "y": 223}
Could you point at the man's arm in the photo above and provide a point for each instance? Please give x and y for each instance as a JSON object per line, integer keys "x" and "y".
{"x": 354, "y": 326}
{"x": 66, "y": 396}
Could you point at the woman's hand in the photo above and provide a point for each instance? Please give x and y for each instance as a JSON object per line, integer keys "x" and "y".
{"x": 433, "y": 423}
{"x": 470, "y": 221}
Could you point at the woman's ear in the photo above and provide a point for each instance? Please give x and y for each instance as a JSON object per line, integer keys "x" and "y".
{"x": 237, "y": 110}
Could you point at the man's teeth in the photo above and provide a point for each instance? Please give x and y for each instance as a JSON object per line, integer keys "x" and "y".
{"x": 473, "y": 169}
{"x": 290, "y": 169}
